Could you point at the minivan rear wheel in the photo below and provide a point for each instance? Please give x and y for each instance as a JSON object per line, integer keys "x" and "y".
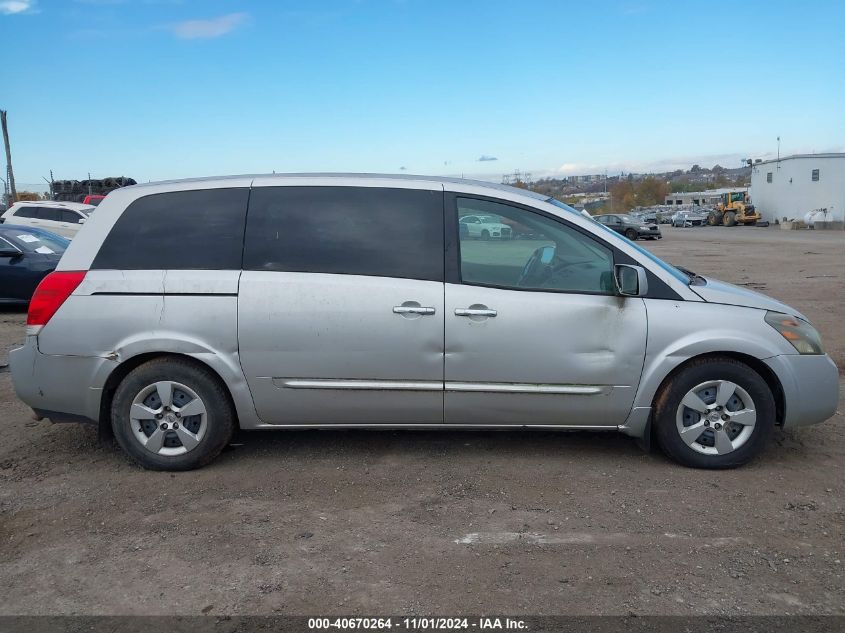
{"x": 171, "y": 414}
{"x": 715, "y": 413}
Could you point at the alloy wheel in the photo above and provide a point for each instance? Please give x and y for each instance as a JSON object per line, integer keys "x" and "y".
{"x": 168, "y": 418}
{"x": 716, "y": 417}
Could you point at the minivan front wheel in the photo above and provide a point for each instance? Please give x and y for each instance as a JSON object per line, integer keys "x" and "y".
{"x": 170, "y": 414}
{"x": 715, "y": 413}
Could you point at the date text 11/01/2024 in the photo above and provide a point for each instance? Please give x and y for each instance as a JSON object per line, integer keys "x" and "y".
{"x": 417, "y": 623}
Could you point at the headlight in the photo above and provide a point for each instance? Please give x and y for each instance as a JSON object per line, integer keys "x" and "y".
{"x": 801, "y": 334}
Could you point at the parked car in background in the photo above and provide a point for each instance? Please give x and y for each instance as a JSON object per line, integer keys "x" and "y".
{"x": 689, "y": 218}
{"x": 27, "y": 255}
{"x": 649, "y": 217}
{"x": 630, "y": 226}
{"x": 486, "y": 227}
{"x": 93, "y": 199}
{"x": 345, "y": 301}
{"x": 62, "y": 218}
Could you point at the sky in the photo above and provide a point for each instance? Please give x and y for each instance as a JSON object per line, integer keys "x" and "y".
{"x": 160, "y": 89}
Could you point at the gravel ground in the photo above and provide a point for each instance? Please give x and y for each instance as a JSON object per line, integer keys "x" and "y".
{"x": 364, "y": 522}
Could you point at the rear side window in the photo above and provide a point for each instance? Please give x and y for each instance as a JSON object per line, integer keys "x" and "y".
{"x": 348, "y": 230}
{"x": 48, "y": 213}
{"x": 187, "y": 230}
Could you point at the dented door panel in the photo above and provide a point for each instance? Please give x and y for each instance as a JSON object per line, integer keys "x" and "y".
{"x": 545, "y": 358}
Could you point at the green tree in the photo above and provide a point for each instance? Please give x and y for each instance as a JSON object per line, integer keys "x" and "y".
{"x": 651, "y": 191}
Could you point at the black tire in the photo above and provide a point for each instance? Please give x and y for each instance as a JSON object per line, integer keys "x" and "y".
{"x": 668, "y": 400}
{"x": 730, "y": 218}
{"x": 714, "y": 218}
{"x": 220, "y": 417}
{"x": 485, "y": 235}
{"x": 631, "y": 234}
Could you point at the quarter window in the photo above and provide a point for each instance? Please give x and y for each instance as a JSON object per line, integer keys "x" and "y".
{"x": 518, "y": 249}
{"x": 372, "y": 231}
{"x": 70, "y": 216}
{"x": 187, "y": 230}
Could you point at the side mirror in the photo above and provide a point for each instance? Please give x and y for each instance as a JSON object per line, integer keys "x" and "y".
{"x": 81, "y": 220}
{"x": 631, "y": 281}
{"x": 10, "y": 252}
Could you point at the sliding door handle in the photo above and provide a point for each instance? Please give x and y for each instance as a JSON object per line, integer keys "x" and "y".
{"x": 475, "y": 312}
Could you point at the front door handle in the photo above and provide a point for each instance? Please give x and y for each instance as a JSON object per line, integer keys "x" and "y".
{"x": 475, "y": 312}
{"x": 412, "y": 308}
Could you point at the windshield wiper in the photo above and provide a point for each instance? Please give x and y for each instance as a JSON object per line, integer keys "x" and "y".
{"x": 694, "y": 278}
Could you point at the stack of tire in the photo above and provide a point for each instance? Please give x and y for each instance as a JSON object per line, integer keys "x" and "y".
{"x": 76, "y": 190}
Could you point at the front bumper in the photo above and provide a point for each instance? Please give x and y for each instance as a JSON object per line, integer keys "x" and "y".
{"x": 810, "y": 387}
{"x": 59, "y": 387}
{"x": 651, "y": 232}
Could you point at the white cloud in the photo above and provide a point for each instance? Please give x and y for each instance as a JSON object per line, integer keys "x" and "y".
{"x": 10, "y": 7}
{"x": 206, "y": 29}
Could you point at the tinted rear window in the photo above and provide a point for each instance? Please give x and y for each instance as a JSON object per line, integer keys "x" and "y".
{"x": 188, "y": 230}
{"x": 348, "y": 230}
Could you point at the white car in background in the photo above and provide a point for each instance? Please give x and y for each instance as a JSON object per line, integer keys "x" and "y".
{"x": 62, "y": 218}
{"x": 485, "y": 227}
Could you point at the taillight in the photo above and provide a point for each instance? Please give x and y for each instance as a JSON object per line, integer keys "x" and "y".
{"x": 49, "y": 296}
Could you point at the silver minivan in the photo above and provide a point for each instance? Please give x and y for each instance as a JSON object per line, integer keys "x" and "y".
{"x": 185, "y": 310}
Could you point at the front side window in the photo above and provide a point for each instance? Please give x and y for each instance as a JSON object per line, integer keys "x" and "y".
{"x": 178, "y": 230}
{"x": 529, "y": 251}
{"x": 26, "y": 212}
{"x": 371, "y": 231}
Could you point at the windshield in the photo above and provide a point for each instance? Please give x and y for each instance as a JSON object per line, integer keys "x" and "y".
{"x": 561, "y": 205}
{"x": 37, "y": 242}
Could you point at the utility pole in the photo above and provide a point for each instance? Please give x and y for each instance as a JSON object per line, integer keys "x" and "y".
{"x": 9, "y": 171}
{"x": 49, "y": 184}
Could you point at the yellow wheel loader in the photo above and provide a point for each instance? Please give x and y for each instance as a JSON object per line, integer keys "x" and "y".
{"x": 735, "y": 208}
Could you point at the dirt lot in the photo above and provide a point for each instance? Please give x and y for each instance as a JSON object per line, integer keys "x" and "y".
{"x": 339, "y": 522}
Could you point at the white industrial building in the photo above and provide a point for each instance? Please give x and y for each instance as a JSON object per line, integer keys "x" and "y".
{"x": 793, "y": 186}
{"x": 708, "y": 198}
